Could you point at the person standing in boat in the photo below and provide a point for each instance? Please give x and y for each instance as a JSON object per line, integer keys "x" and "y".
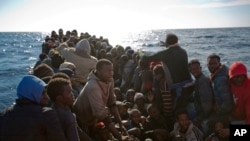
{"x": 175, "y": 65}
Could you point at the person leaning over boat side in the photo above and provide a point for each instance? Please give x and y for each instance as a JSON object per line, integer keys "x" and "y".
{"x": 28, "y": 119}
{"x": 91, "y": 105}
{"x": 220, "y": 81}
{"x": 175, "y": 63}
{"x": 80, "y": 56}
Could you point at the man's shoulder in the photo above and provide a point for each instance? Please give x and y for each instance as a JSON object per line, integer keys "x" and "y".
{"x": 66, "y": 115}
{"x": 48, "y": 111}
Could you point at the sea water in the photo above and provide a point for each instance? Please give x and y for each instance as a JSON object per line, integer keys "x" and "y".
{"x": 19, "y": 50}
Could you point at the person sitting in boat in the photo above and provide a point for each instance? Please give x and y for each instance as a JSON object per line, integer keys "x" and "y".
{"x": 203, "y": 97}
{"x": 219, "y": 76}
{"x": 184, "y": 129}
{"x": 59, "y": 91}
{"x": 28, "y": 119}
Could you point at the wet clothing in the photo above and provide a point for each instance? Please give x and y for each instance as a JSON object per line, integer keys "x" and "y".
{"x": 241, "y": 94}
{"x": 28, "y": 121}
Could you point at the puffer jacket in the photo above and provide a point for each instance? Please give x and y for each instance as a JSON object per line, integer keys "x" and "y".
{"x": 222, "y": 92}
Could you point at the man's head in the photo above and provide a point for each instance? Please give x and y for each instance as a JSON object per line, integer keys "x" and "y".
{"x": 195, "y": 67}
{"x": 213, "y": 62}
{"x": 158, "y": 72}
{"x": 33, "y": 88}
{"x": 130, "y": 95}
{"x": 153, "y": 111}
{"x": 104, "y": 70}
{"x": 139, "y": 99}
{"x": 60, "y": 31}
{"x": 43, "y": 70}
{"x": 171, "y": 39}
{"x": 237, "y": 73}
{"x": 183, "y": 119}
{"x": 135, "y": 116}
{"x": 59, "y": 91}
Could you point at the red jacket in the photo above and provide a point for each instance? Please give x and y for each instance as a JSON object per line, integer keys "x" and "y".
{"x": 241, "y": 93}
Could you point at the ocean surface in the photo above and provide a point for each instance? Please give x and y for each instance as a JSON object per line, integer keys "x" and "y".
{"x": 19, "y": 50}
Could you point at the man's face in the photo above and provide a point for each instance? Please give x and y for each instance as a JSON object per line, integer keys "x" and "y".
{"x": 118, "y": 94}
{"x": 67, "y": 96}
{"x": 238, "y": 80}
{"x": 45, "y": 98}
{"x": 136, "y": 117}
{"x": 195, "y": 70}
{"x": 154, "y": 113}
{"x": 184, "y": 121}
{"x": 213, "y": 64}
{"x": 106, "y": 73}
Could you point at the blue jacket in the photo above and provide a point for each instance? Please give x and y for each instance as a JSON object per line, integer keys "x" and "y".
{"x": 222, "y": 92}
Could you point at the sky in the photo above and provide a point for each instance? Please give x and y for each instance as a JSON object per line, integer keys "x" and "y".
{"x": 115, "y": 16}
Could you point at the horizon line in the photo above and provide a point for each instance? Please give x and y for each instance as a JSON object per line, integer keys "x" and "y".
{"x": 147, "y": 29}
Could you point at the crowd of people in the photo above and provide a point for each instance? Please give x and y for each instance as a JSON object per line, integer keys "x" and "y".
{"x": 84, "y": 89}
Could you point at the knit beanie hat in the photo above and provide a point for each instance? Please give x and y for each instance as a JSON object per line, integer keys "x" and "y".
{"x": 237, "y": 68}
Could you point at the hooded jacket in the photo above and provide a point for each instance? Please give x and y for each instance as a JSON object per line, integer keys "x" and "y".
{"x": 27, "y": 120}
{"x": 90, "y": 105}
{"x": 80, "y": 56}
{"x": 241, "y": 94}
{"x": 31, "y": 88}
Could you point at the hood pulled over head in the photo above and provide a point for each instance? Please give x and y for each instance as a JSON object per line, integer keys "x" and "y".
{"x": 237, "y": 68}
{"x": 31, "y": 87}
